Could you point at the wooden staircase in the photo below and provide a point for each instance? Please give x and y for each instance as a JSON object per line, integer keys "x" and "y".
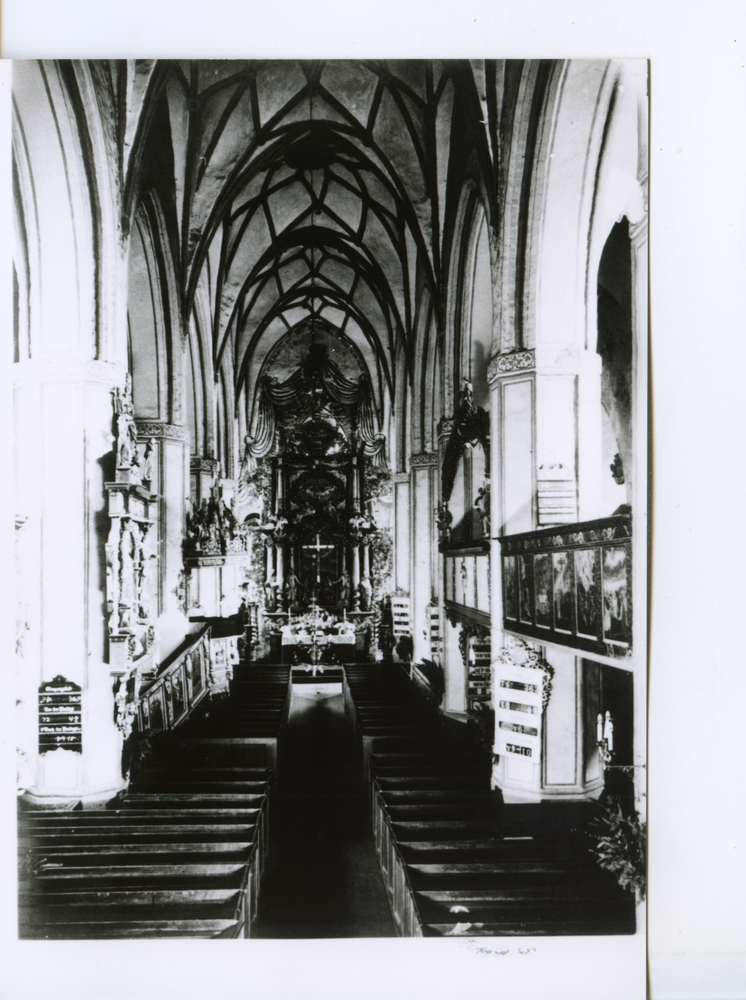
{"x": 456, "y": 860}
{"x": 179, "y": 854}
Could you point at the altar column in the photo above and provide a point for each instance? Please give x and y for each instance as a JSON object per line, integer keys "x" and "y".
{"x": 366, "y": 560}
{"x": 280, "y": 577}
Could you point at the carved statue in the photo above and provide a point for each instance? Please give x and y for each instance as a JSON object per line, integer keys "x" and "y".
{"x": 344, "y": 588}
{"x": 127, "y": 456}
{"x": 213, "y": 529}
{"x": 617, "y": 470}
{"x": 292, "y": 585}
{"x": 359, "y": 525}
{"x": 444, "y": 517}
{"x": 366, "y": 592}
{"x": 126, "y": 574}
{"x": 482, "y": 504}
{"x": 148, "y": 462}
{"x": 270, "y": 602}
{"x": 126, "y": 445}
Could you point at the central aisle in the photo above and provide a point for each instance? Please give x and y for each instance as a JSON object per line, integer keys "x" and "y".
{"x": 323, "y": 879}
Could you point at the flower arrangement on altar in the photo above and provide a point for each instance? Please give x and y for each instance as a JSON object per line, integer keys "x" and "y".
{"x": 316, "y": 624}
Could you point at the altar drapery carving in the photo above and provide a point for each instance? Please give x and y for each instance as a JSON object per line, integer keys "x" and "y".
{"x": 317, "y": 372}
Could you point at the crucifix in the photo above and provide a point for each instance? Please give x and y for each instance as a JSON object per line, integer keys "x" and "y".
{"x": 317, "y": 549}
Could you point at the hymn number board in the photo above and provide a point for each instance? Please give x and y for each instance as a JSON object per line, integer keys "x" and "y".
{"x": 60, "y": 716}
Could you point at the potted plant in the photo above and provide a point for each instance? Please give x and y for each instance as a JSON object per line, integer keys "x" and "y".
{"x": 621, "y": 846}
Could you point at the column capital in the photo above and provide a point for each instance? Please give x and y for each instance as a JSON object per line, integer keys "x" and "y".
{"x": 507, "y": 364}
{"x": 198, "y": 464}
{"x": 425, "y": 458}
{"x": 147, "y": 429}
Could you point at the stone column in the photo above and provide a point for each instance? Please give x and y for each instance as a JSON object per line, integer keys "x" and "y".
{"x": 64, "y": 442}
{"x": 510, "y": 378}
{"x": 402, "y": 546}
{"x": 423, "y": 533}
{"x": 556, "y": 388}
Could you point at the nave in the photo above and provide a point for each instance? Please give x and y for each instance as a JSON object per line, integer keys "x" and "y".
{"x": 323, "y": 878}
{"x": 375, "y": 818}
{"x": 330, "y": 365}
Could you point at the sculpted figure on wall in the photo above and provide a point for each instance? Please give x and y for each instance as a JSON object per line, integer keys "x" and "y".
{"x": 126, "y": 431}
{"x": 212, "y": 529}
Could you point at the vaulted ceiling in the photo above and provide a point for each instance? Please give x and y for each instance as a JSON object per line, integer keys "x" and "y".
{"x": 304, "y": 190}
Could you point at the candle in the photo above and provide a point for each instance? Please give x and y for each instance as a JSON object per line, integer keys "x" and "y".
{"x": 609, "y": 732}
{"x": 599, "y": 728}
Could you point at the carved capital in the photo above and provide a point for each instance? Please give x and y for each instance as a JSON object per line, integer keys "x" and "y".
{"x": 209, "y": 465}
{"x": 400, "y": 477}
{"x": 445, "y": 427}
{"x": 425, "y": 458}
{"x": 147, "y": 429}
{"x": 506, "y": 364}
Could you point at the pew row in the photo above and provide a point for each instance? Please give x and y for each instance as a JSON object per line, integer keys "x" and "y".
{"x": 456, "y": 860}
{"x": 180, "y": 853}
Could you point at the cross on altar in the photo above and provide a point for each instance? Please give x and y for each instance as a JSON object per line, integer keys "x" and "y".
{"x": 317, "y": 548}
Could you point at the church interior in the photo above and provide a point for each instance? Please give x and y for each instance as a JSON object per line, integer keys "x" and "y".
{"x": 331, "y": 497}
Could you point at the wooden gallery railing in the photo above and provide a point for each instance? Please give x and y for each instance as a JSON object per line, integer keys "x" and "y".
{"x": 571, "y": 584}
{"x": 202, "y": 669}
{"x": 171, "y": 698}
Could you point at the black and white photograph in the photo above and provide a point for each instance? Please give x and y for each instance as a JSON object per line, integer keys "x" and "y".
{"x": 333, "y": 589}
{"x": 296, "y": 342}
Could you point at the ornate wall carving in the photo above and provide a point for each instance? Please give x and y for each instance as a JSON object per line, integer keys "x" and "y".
{"x": 131, "y": 546}
{"x": 158, "y": 429}
{"x": 505, "y": 364}
{"x": 445, "y": 427}
{"x": 213, "y": 530}
{"x": 425, "y": 458}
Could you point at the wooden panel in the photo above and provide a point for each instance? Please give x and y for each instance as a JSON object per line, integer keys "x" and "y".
{"x": 571, "y": 585}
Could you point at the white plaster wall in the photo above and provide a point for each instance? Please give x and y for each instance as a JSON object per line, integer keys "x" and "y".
{"x": 517, "y": 456}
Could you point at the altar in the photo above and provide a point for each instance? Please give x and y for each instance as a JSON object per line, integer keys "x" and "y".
{"x": 319, "y": 636}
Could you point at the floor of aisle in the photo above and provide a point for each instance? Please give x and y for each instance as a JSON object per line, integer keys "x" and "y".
{"x": 323, "y": 879}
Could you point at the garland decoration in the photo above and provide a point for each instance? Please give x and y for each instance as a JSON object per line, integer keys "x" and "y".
{"x": 517, "y": 653}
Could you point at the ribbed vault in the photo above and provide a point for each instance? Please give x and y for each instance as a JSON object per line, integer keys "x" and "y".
{"x": 306, "y": 190}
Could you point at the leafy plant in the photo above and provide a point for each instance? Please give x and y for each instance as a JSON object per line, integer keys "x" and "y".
{"x": 481, "y": 722}
{"x": 621, "y": 849}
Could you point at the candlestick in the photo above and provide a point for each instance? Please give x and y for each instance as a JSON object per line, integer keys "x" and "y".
{"x": 600, "y": 727}
{"x": 609, "y": 732}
